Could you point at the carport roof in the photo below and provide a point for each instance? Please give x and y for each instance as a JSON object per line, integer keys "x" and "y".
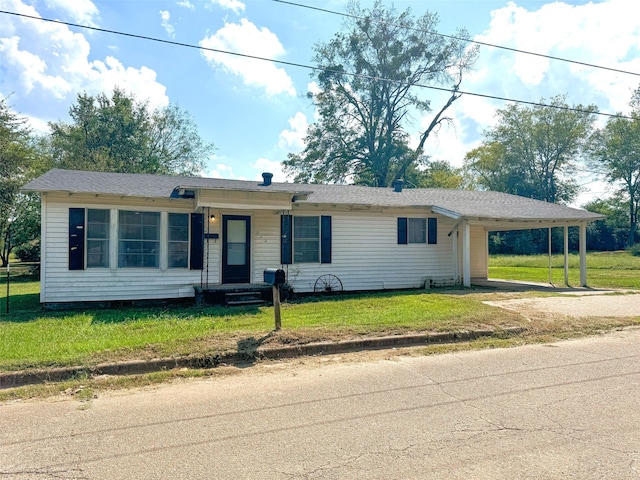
{"x": 457, "y": 204}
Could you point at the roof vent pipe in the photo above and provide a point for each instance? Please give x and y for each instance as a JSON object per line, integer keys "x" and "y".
{"x": 266, "y": 179}
{"x": 397, "y": 185}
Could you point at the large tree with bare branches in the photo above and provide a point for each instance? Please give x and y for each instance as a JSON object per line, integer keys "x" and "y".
{"x": 372, "y": 81}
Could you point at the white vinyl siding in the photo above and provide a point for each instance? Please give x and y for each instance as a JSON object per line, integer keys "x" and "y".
{"x": 479, "y": 252}
{"x": 365, "y": 252}
{"x": 366, "y": 255}
{"x": 59, "y": 284}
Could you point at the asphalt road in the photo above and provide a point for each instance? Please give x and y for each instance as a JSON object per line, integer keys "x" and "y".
{"x": 564, "y": 410}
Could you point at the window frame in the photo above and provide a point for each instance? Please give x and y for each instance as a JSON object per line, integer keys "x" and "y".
{"x": 308, "y": 239}
{"x": 430, "y": 230}
{"x": 413, "y": 232}
{"x": 140, "y": 239}
{"x": 105, "y": 239}
{"x": 185, "y": 243}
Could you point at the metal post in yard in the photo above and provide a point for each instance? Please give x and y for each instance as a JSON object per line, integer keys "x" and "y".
{"x": 275, "y": 289}
{"x": 8, "y": 278}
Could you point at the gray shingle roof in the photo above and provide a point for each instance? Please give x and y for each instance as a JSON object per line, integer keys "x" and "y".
{"x": 455, "y": 203}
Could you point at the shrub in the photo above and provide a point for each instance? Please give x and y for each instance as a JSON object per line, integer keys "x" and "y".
{"x": 28, "y": 252}
{"x": 634, "y": 250}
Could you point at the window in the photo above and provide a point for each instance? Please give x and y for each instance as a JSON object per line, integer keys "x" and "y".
{"x": 178, "y": 246}
{"x": 98, "y": 238}
{"x": 306, "y": 239}
{"x": 417, "y": 230}
{"x": 414, "y": 230}
{"x": 138, "y": 239}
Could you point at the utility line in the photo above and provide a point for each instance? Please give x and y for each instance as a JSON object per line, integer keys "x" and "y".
{"x": 453, "y": 37}
{"x": 309, "y": 67}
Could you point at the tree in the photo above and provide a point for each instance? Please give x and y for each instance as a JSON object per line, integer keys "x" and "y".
{"x": 617, "y": 156}
{"x": 533, "y": 150}
{"x": 369, "y": 81}
{"x": 120, "y": 134}
{"x": 18, "y": 159}
{"x": 440, "y": 174}
{"x": 611, "y": 232}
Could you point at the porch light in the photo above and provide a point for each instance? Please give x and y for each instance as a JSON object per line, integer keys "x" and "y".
{"x": 212, "y": 217}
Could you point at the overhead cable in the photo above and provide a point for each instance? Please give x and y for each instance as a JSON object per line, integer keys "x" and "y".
{"x": 309, "y": 67}
{"x": 453, "y": 37}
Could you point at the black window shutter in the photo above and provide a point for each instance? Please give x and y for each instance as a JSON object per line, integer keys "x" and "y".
{"x": 76, "y": 239}
{"x": 285, "y": 239}
{"x": 432, "y": 239}
{"x": 325, "y": 239}
{"x": 197, "y": 241}
{"x": 402, "y": 231}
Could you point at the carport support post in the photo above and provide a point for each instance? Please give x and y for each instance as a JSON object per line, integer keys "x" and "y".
{"x": 583, "y": 254}
{"x": 566, "y": 255}
{"x": 276, "y": 305}
{"x": 466, "y": 255}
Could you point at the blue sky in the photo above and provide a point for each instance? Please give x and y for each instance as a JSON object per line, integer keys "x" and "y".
{"x": 256, "y": 112}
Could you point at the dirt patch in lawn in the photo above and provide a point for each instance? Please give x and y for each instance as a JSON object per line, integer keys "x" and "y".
{"x": 585, "y": 305}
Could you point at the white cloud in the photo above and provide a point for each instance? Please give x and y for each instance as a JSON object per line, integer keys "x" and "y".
{"x": 220, "y": 170}
{"x": 293, "y": 140}
{"x": 271, "y": 166}
{"x": 245, "y": 38}
{"x": 236, "y": 5}
{"x": 50, "y": 60}
{"x": 80, "y": 11}
{"x": 186, "y": 4}
{"x": 165, "y": 16}
{"x": 602, "y": 33}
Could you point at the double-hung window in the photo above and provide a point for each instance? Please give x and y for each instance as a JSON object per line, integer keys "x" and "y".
{"x": 98, "y": 224}
{"x": 178, "y": 245}
{"x": 306, "y": 239}
{"x": 417, "y": 230}
{"x": 138, "y": 239}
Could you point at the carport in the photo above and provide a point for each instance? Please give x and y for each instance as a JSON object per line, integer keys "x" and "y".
{"x": 521, "y": 214}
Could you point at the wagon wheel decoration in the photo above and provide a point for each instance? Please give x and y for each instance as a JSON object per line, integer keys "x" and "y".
{"x": 327, "y": 283}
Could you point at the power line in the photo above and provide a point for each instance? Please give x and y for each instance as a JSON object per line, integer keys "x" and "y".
{"x": 453, "y": 37}
{"x": 309, "y": 67}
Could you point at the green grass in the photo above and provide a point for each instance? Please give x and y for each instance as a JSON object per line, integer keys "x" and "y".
{"x": 604, "y": 269}
{"x": 32, "y": 337}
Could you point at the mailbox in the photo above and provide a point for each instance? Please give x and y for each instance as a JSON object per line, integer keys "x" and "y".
{"x": 274, "y": 276}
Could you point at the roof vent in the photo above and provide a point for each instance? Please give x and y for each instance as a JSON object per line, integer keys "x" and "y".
{"x": 266, "y": 179}
{"x": 397, "y": 185}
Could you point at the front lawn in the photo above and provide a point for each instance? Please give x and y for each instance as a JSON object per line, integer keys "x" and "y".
{"x": 31, "y": 337}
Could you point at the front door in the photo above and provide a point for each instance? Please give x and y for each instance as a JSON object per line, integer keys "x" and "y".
{"x": 236, "y": 248}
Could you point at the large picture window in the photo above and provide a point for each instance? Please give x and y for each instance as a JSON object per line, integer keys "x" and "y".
{"x": 98, "y": 221}
{"x": 178, "y": 247}
{"x": 306, "y": 239}
{"x": 138, "y": 239}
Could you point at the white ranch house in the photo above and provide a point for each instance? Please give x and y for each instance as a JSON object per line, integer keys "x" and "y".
{"x": 121, "y": 237}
